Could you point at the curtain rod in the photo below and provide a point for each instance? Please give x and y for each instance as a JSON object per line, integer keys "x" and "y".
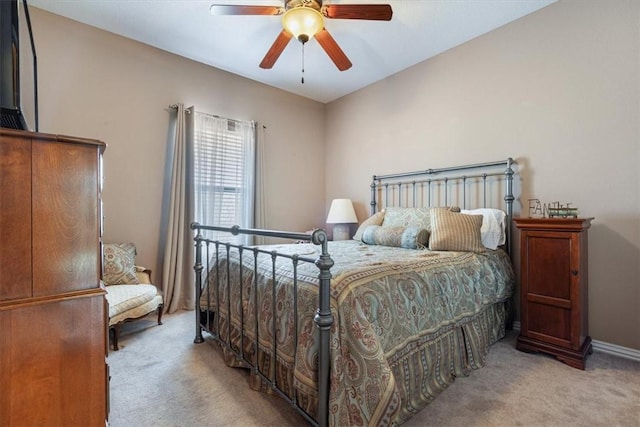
{"x": 175, "y": 107}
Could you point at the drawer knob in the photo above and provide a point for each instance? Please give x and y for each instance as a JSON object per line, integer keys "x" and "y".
{"x": 574, "y": 272}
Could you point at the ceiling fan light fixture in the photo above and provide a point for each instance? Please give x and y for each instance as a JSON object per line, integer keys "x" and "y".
{"x": 303, "y": 22}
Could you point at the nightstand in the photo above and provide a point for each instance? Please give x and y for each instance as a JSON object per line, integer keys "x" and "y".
{"x": 554, "y": 288}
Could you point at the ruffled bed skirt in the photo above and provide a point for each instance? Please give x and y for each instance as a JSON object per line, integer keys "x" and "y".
{"x": 422, "y": 369}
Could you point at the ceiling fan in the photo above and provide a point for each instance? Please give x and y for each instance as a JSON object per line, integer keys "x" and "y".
{"x": 304, "y": 19}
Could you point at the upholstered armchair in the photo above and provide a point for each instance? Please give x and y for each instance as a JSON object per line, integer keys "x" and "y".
{"x": 130, "y": 292}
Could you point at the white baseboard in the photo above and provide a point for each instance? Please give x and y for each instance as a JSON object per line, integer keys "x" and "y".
{"x": 605, "y": 347}
{"x": 616, "y": 350}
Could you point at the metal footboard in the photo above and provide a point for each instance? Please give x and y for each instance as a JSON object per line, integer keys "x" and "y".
{"x": 207, "y": 249}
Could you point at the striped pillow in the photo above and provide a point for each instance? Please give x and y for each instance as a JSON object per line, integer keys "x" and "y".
{"x": 451, "y": 231}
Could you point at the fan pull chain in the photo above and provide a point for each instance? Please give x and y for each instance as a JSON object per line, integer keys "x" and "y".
{"x": 302, "y": 79}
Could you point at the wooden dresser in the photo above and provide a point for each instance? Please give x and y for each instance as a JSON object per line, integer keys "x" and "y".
{"x": 554, "y": 288}
{"x": 53, "y": 317}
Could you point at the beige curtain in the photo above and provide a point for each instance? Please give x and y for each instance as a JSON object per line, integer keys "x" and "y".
{"x": 177, "y": 265}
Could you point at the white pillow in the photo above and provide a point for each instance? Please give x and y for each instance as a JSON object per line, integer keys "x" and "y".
{"x": 492, "y": 232}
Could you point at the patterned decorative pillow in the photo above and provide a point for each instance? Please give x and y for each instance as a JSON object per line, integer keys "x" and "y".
{"x": 407, "y": 217}
{"x": 375, "y": 219}
{"x": 451, "y": 231}
{"x": 119, "y": 264}
{"x": 400, "y": 237}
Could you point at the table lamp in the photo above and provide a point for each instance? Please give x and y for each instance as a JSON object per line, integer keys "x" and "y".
{"x": 341, "y": 214}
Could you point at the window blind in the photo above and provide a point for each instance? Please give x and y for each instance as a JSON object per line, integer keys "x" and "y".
{"x": 223, "y": 173}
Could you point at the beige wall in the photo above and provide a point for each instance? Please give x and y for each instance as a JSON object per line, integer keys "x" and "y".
{"x": 559, "y": 91}
{"x": 98, "y": 85}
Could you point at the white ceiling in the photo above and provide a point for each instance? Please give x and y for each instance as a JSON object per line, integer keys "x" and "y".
{"x": 418, "y": 30}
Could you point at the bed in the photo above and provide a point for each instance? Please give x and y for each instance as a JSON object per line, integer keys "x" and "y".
{"x": 368, "y": 331}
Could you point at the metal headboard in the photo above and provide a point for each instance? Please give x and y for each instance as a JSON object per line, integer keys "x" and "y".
{"x": 479, "y": 185}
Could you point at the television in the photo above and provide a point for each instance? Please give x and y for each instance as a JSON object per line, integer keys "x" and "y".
{"x": 11, "y": 115}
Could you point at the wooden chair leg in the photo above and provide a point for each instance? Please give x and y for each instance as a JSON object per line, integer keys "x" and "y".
{"x": 114, "y": 331}
{"x": 160, "y": 308}
{"x": 116, "y": 335}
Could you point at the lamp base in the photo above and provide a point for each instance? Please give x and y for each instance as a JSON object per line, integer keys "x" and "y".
{"x": 341, "y": 232}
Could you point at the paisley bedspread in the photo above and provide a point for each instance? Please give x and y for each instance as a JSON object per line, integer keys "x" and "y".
{"x": 406, "y": 322}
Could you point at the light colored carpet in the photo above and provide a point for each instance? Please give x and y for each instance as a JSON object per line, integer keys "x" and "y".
{"x": 160, "y": 378}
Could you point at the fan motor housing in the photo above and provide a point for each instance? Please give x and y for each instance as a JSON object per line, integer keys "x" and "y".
{"x": 314, "y": 4}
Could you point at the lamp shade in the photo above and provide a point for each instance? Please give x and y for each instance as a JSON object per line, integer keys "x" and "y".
{"x": 303, "y": 22}
{"x": 341, "y": 212}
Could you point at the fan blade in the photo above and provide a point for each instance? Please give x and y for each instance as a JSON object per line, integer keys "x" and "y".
{"x": 333, "y": 50}
{"x": 374, "y": 12}
{"x": 276, "y": 49}
{"x": 230, "y": 9}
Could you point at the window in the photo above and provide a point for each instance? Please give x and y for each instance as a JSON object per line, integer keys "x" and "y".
{"x": 224, "y": 174}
